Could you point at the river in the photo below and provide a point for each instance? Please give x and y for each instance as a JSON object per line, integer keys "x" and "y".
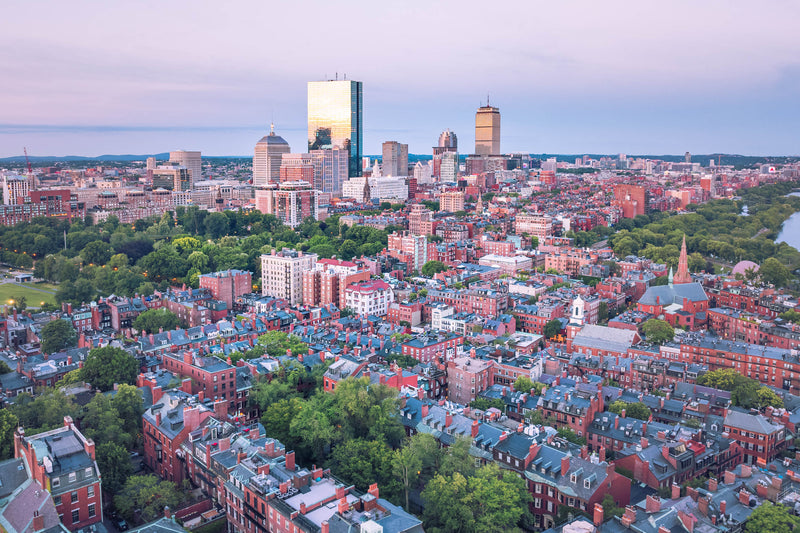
{"x": 790, "y": 231}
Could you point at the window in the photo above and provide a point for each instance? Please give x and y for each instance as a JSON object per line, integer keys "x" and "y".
{"x": 74, "y": 497}
{"x": 57, "y": 500}
{"x": 72, "y": 477}
{"x": 56, "y": 482}
{"x": 88, "y": 472}
{"x": 90, "y": 491}
{"x": 76, "y": 517}
{"x": 91, "y": 510}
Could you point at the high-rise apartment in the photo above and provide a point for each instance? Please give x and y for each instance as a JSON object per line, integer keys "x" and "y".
{"x": 191, "y": 160}
{"x": 14, "y": 188}
{"x": 267, "y": 158}
{"x": 282, "y": 274}
{"x": 487, "y": 130}
{"x": 335, "y": 119}
{"x": 395, "y": 159}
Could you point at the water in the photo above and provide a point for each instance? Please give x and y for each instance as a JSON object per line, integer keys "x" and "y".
{"x": 790, "y": 231}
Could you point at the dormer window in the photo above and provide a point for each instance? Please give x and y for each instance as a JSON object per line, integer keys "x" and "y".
{"x": 573, "y": 478}
{"x": 587, "y": 483}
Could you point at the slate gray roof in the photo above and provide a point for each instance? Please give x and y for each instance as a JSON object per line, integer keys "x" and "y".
{"x": 748, "y": 422}
{"x": 669, "y": 294}
{"x": 605, "y": 338}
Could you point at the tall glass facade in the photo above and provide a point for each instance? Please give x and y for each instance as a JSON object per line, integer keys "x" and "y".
{"x": 334, "y": 119}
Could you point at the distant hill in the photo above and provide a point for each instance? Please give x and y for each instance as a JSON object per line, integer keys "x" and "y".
{"x": 107, "y": 157}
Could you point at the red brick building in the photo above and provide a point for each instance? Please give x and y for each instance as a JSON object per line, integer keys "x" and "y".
{"x": 227, "y": 285}
{"x": 760, "y": 439}
{"x": 63, "y": 462}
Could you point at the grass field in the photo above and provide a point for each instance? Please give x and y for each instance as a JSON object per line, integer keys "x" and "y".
{"x": 10, "y": 291}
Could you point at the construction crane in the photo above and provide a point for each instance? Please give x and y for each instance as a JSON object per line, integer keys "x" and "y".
{"x": 31, "y": 179}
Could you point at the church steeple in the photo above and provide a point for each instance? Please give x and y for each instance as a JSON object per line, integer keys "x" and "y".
{"x": 683, "y": 276}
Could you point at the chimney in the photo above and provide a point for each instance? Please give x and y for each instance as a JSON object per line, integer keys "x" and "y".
{"x": 325, "y": 528}
{"x": 616, "y": 422}
{"x": 676, "y": 491}
{"x": 564, "y": 465}
{"x": 290, "y": 461}
{"x": 622, "y": 413}
{"x": 343, "y": 506}
{"x": 712, "y": 484}
{"x": 722, "y": 506}
{"x": 653, "y": 504}
{"x": 744, "y": 497}
{"x": 747, "y": 471}
{"x": 598, "y": 514}
{"x": 68, "y": 421}
{"x": 424, "y": 410}
{"x": 644, "y": 443}
{"x": 284, "y": 487}
{"x": 584, "y": 452}
{"x": 302, "y": 507}
{"x": 475, "y": 428}
{"x": 702, "y": 505}
{"x": 373, "y": 490}
{"x": 38, "y": 521}
{"x": 692, "y": 493}
{"x": 264, "y": 469}
{"x": 167, "y": 512}
{"x": 602, "y": 454}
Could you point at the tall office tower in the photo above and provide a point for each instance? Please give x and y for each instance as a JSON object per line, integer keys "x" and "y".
{"x": 395, "y": 159}
{"x": 267, "y": 158}
{"x": 172, "y": 177}
{"x": 448, "y": 169}
{"x": 687, "y": 157}
{"x": 151, "y": 163}
{"x": 487, "y": 130}
{"x": 335, "y": 119}
{"x": 332, "y": 168}
{"x": 448, "y": 142}
{"x": 191, "y": 160}
{"x": 282, "y": 274}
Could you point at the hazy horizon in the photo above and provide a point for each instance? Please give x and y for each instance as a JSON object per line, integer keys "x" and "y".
{"x": 105, "y": 78}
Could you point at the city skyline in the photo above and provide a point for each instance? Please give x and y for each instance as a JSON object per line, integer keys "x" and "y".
{"x": 620, "y": 77}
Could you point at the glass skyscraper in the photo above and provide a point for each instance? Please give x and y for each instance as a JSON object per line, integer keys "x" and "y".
{"x": 334, "y": 119}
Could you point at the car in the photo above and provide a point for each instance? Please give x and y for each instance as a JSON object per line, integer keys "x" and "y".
{"x": 121, "y": 524}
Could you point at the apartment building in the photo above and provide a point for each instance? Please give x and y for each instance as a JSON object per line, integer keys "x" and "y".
{"x": 282, "y": 274}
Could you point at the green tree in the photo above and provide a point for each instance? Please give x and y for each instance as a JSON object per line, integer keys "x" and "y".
{"x": 4, "y": 368}
{"x": 772, "y": 271}
{"x": 44, "y": 412}
{"x": 790, "y": 316}
{"x": 457, "y": 459}
{"x": 433, "y": 267}
{"x": 363, "y": 462}
{"x": 610, "y": 507}
{"x": 149, "y": 494}
{"x": 407, "y": 466}
{"x": 58, "y": 335}
{"x": 114, "y": 464}
{"x": 277, "y": 342}
{"x": 523, "y": 384}
{"x": 217, "y": 225}
{"x": 658, "y": 331}
{"x": 109, "y": 365}
{"x": 97, "y": 252}
{"x": 278, "y": 416}
{"x": 155, "y": 320}
{"x": 636, "y": 410}
{"x": 493, "y": 500}
{"x": 772, "y": 518}
{"x": 8, "y": 425}
{"x": 129, "y": 404}
{"x": 102, "y": 422}
{"x": 552, "y": 328}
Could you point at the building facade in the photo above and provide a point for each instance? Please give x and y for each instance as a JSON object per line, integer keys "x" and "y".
{"x": 282, "y": 274}
{"x": 335, "y": 119}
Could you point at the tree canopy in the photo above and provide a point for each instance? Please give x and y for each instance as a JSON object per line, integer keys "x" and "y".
{"x": 658, "y": 331}
{"x": 109, "y": 365}
{"x": 155, "y": 320}
{"x": 58, "y": 335}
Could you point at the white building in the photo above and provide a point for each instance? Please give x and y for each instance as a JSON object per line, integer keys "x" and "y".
{"x": 369, "y": 298}
{"x": 14, "y": 187}
{"x": 423, "y": 173}
{"x": 508, "y": 265}
{"x": 381, "y": 187}
{"x": 282, "y": 274}
{"x": 191, "y": 160}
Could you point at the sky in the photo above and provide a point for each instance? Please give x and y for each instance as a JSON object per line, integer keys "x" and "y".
{"x": 580, "y": 76}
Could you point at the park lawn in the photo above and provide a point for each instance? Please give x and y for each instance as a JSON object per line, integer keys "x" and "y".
{"x": 52, "y": 287}
{"x": 33, "y": 298}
